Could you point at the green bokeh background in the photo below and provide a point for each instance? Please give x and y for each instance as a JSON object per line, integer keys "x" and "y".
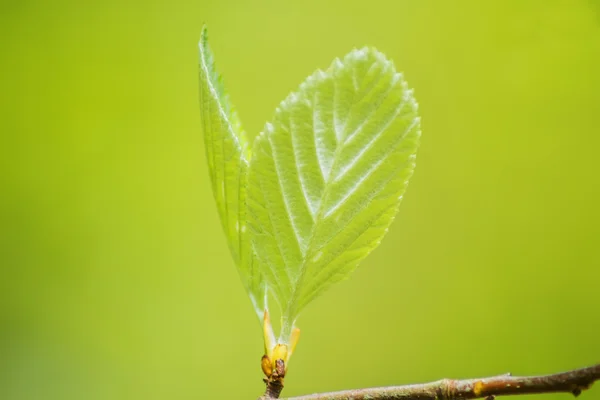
{"x": 115, "y": 278}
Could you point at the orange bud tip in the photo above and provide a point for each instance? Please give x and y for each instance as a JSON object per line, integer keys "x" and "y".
{"x": 266, "y": 365}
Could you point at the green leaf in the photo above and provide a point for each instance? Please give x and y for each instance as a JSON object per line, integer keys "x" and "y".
{"x": 327, "y": 176}
{"x": 228, "y": 154}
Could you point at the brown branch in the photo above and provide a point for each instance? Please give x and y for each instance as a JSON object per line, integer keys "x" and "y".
{"x": 448, "y": 389}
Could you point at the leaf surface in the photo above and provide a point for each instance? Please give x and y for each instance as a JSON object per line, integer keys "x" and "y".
{"x": 327, "y": 175}
{"x": 228, "y": 154}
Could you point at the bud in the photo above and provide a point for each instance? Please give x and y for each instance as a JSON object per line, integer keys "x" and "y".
{"x": 277, "y": 355}
{"x": 280, "y": 352}
{"x": 266, "y": 365}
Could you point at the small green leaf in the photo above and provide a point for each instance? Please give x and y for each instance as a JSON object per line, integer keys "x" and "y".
{"x": 228, "y": 154}
{"x": 327, "y": 175}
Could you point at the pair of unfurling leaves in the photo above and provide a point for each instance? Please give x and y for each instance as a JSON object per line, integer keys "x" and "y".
{"x": 305, "y": 202}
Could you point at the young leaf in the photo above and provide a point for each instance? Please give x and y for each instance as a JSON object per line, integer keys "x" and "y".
{"x": 228, "y": 154}
{"x": 327, "y": 175}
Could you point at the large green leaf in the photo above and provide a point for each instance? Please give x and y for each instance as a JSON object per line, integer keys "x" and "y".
{"x": 228, "y": 154}
{"x": 327, "y": 175}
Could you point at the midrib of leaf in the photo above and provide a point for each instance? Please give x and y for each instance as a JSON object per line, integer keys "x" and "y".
{"x": 229, "y": 176}
{"x": 211, "y": 81}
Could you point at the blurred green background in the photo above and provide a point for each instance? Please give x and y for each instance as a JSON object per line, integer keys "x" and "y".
{"x": 115, "y": 278}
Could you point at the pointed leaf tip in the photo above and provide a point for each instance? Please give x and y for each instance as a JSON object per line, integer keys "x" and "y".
{"x": 203, "y": 36}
